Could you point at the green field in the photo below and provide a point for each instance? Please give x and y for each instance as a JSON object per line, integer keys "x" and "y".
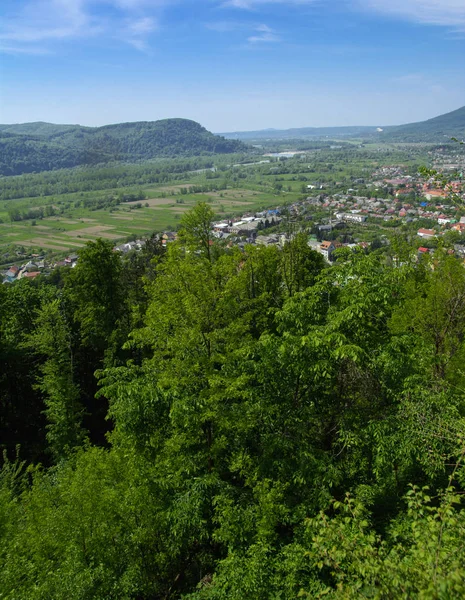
{"x": 78, "y": 225}
{"x": 82, "y": 205}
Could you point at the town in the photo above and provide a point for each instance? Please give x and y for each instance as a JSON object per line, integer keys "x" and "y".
{"x": 423, "y": 207}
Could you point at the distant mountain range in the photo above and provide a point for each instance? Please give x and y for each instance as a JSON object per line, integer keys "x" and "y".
{"x": 434, "y": 130}
{"x": 29, "y": 147}
{"x": 451, "y": 124}
{"x": 34, "y": 147}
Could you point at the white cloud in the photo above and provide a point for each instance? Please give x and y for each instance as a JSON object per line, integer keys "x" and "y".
{"x": 410, "y": 78}
{"x": 31, "y": 50}
{"x": 225, "y": 26}
{"x": 49, "y": 21}
{"x": 137, "y": 32}
{"x": 257, "y": 33}
{"x": 450, "y": 13}
{"x": 138, "y": 4}
{"x": 143, "y": 26}
{"x": 255, "y": 4}
{"x": 265, "y": 34}
{"x": 238, "y": 4}
{"x": 46, "y": 19}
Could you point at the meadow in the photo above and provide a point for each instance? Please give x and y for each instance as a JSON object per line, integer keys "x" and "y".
{"x": 76, "y": 206}
{"x": 158, "y": 212}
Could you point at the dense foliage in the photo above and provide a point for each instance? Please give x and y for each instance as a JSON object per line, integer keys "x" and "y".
{"x": 53, "y": 147}
{"x": 210, "y": 423}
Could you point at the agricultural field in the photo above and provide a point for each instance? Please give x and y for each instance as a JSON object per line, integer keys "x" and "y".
{"x": 60, "y": 211}
{"x": 71, "y": 230}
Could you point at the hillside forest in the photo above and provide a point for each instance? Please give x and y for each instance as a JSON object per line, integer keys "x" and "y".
{"x": 35, "y": 147}
{"x": 38, "y": 147}
{"x": 208, "y": 423}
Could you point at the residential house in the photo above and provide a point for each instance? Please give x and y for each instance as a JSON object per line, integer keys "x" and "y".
{"x": 221, "y": 227}
{"x": 426, "y": 233}
{"x": 430, "y": 194}
{"x": 352, "y": 217}
{"x": 168, "y": 236}
{"x": 443, "y": 220}
{"x": 267, "y": 240}
{"x": 12, "y": 272}
{"x": 31, "y": 266}
{"x": 327, "y": 248}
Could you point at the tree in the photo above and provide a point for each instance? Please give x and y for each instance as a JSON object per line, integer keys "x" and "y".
{"x": 196, "y": 229}
{"x": 94, "y": 297}
{"x": 94, "y": 288}
{"x": 52, "y": 338}
{"x": 300, "y": 264}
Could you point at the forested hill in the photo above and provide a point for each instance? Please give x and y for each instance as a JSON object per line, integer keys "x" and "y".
{"x": 200, "y": 422}
{"x": 36, "y": 128}
{"x": 451, "y": 124}
{"x": 36, "y": 147}
{"x": 431, "y": 131}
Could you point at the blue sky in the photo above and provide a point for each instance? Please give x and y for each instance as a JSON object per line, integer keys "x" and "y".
{"x": 231, "y": 64}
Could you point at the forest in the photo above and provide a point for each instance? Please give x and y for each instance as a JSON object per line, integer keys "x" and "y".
{"x": 30, "y": 148}
{"x": 203, "y": 422}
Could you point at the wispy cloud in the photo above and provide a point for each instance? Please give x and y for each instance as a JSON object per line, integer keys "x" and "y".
{"x": 255, "y": 4}
{"x": 245, "y": 4}
{"x": 226, "y": 26}
{"x": 256, "y": 33}
{"x": 410, "y": 78}
{"x": 50, "y": 21}
{"x": 30, "y": 50}
{"x": 449, "y": 13}
{"x": 137, "y": 32}
{"x": 142, "y": 26}
{"x": 45, "y": 20}
{"x": 264, "y": 34}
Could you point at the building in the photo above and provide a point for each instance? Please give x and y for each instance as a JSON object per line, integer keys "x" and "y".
{"x": 326, "y": 249}
{"x": 432, "y": 194}
{"x": 221, "y": 227}
{"x": 426, "y": 233}
{"x": 168, "y": 236}
{"x": 443, "y": 220}
{"x": 352, "y": 217}
{"x": 12, "y": 272}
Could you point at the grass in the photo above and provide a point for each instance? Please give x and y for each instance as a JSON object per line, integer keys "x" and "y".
{"x": 76, "y": 226}
{"x": 248, "y": 189}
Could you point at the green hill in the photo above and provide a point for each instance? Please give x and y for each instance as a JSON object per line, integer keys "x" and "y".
{"x": 449, "y": 125}
{"x": 37, "y": 128}
{"x": 33, "y": 147}
{"x": 431, "y": 131}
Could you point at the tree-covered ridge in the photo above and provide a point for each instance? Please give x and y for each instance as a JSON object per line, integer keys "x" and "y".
{"x": 434, "y": 130}
{"x": 227, "y": 424}
{"x": 451, "y": 124}
{"x": 59, "y": 147}
{"x": 39, "y": 128}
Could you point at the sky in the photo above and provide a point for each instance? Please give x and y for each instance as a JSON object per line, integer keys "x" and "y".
{"x": 231, "y": 65}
